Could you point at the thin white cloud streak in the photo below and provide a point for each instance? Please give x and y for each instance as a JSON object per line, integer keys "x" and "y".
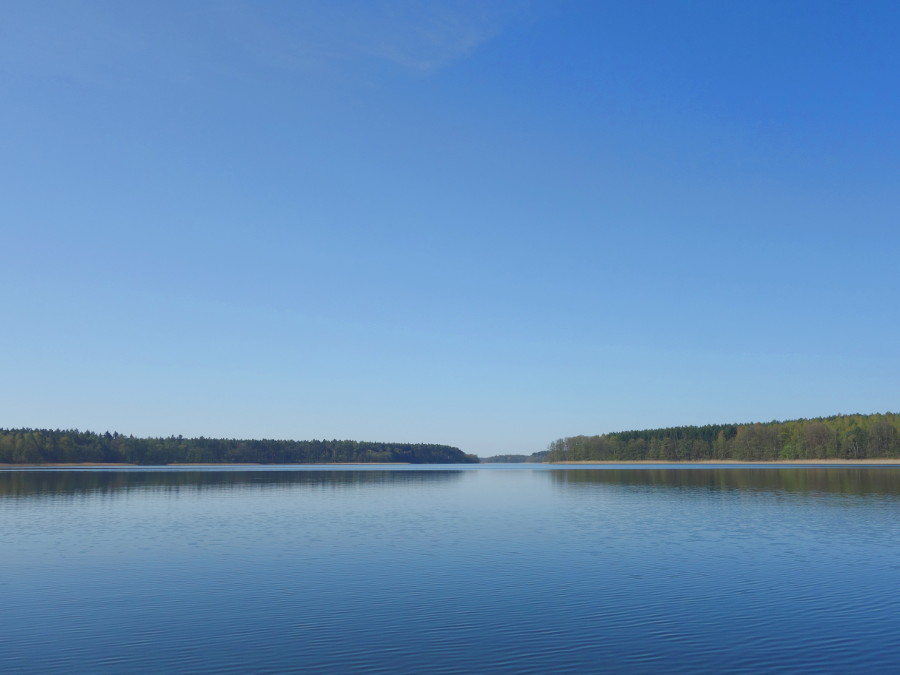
{"x": 101, "y": 43}
{"x": 414, "y": 35}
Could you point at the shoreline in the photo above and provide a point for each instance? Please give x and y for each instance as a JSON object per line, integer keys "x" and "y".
{"x": 787, "y": 462}
{"x": 67, "y": 464}
{"x": 76, "y": 465}
{"x": 648, "y": 462}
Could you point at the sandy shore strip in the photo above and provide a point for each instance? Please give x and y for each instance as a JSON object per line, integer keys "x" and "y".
{"x": 787, "y": 462}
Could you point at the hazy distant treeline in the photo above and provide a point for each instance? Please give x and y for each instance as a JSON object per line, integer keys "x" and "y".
{"x": 36, "y": 446}
{"x": 533, "y": 458}
{"x": 838, "y": 437}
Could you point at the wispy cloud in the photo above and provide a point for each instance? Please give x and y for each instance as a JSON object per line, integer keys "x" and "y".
{"x": 98, "y": 42}
{"x": 425, "y": 36}
{"x": 412, "y": 34}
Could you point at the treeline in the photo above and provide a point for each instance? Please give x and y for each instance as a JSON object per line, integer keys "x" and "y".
{"x": 533, "y": 458}
{"x": 837, "y": 437}
{"x": 39, "y": 446}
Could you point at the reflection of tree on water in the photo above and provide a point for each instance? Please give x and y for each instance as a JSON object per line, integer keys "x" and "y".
{"x": 838, "y": 480}
{"x": 83, "y": 482}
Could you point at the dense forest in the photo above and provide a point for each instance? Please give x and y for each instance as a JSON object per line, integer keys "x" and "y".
{"x": 837, "y": 437}
{"x": 38, "y": 446}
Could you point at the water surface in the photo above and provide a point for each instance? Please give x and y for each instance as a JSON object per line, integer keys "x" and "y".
{"x": 522, "y": 569}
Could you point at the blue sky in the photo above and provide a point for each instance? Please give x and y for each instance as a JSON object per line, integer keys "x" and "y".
{"x": 488, "y": 224}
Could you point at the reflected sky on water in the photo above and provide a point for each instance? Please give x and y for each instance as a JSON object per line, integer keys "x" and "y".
{"x": 522, "y": 569}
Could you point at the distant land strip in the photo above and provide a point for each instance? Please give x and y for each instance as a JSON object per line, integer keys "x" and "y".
{"x": 839, "y": 438}
{"x": 73, "y": 447}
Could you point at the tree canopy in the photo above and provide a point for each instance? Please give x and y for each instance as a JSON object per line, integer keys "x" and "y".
{"x": 38, "y": 446}
{"x": 837, "y": 437}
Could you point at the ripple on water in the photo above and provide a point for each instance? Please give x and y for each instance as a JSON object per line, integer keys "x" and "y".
{"x": 468, "y": 572}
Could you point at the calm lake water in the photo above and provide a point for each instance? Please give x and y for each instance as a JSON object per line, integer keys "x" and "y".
{"x": 486, "y": 569}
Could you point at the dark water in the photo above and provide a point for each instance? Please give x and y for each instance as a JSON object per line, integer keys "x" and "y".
{"x": 450, "y": 570}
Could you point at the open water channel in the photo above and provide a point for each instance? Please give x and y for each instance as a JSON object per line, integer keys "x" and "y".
{"x": 450, "y": 569}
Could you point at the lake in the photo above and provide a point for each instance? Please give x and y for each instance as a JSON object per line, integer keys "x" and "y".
{"x": 450, "y": 569}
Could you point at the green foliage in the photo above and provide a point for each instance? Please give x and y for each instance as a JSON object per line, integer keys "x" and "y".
{"x": 837, "y": 437}
{"x": 37, "y": 446}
